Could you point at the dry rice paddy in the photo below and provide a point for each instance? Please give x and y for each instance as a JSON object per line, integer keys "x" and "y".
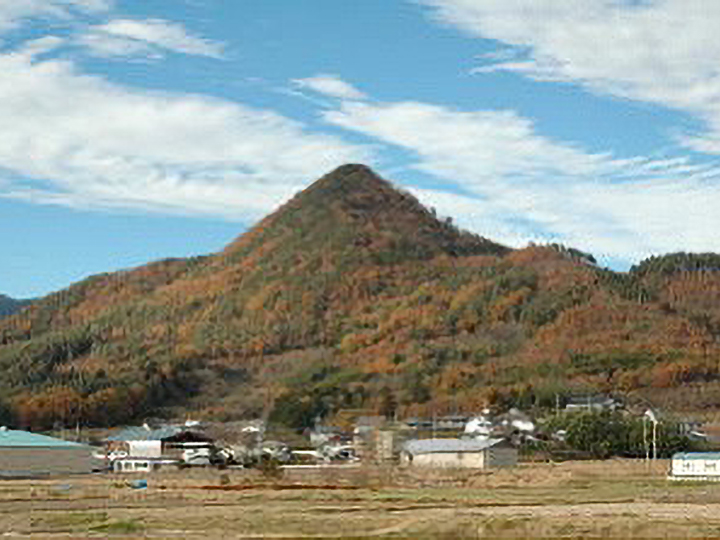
{"x": 612, "y": 499}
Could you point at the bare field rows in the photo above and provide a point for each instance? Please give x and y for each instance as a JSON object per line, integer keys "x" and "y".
{"x": 613, "y": 499}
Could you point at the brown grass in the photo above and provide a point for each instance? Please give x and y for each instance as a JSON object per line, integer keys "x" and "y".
{"x": 613, "y": 499}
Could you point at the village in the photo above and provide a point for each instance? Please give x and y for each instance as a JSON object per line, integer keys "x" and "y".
{"x": 489, "y": 440}
{"x": 498, "y": 473}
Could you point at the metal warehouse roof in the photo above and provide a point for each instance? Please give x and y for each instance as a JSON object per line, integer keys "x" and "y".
{"x": 431, "y": 446}
{"x": 143, "y": 433}
{"x": 25, "y": 439}
{"x": 697, "y": 455}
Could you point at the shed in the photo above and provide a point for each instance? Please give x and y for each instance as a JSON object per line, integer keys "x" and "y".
{"x": 24, "y": 454}
{"x": 470, "y": 453}
{"x": 695, "y": 466}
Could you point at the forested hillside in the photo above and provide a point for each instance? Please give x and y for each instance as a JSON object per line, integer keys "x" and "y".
{"x": 353, "y": 295}
{"x": 9, "y": 306}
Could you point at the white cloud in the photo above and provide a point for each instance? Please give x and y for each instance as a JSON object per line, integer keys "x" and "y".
{"x": 659, "y": 51}
{"x": 14, "y": 12}
{"x": 150, "y": 37}
{"x": 331, "y": 86}
{"x": 68, "y": 137}
{"x": 31, "y": 50}
{"x": 460, "y": 144}
{"x": 514, "y": 185}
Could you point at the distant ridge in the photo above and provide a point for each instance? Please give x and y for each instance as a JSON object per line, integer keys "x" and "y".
{"x": 10, "y": 306}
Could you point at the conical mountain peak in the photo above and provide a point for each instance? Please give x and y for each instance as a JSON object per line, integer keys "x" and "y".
{"x": 353, "y": 212}
{"x": 355, "y": 296}
{"x": 344, "y": 184}
{"x": 350, "y": 177}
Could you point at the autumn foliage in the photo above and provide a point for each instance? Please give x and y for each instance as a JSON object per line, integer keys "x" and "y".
{"x": 354, "y": 296}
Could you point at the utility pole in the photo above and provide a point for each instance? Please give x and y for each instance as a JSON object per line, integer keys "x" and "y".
{"x": 651, "y": 415}
{"x": 654, "y": 441}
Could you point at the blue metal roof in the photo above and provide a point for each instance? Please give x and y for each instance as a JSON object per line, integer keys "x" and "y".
{"x": 432, "y": 446}
{"x": 24, "y": 439}
{"x": 697, "y": 455}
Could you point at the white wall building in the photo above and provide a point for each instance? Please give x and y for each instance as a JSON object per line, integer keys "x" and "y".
{"x": 470, "y": 453}
{"x": 695, "y": 466}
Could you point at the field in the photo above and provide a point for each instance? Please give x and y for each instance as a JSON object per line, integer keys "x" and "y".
{"x": 612, "y": 499}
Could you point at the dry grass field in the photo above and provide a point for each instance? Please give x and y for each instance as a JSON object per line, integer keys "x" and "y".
{"x": 612, "y": 499}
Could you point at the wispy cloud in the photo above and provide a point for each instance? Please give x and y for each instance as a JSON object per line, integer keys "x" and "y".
{"x": 73, "y": 138}
{"x": 14, "y": 12}
{"x": 149, "y": 38}
{"x": 509, "y": 182}
{"x": 330, "y": 86}
{"x": 659, "y": 51}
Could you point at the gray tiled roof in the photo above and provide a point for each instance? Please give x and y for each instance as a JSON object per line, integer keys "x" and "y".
{"x": 143, "y": 434}
{"x": 431, "y": 446}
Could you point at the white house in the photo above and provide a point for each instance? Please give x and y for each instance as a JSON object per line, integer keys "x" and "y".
{"x": 470, "y": 453}
{"x": 480, "y": 426}
{"x": 695, "y": 466}
{"x": 143, "y": 449}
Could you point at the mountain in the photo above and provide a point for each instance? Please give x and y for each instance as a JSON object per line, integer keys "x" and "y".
{"x": 9, "y": 306}
{"x": 352, "y": 295}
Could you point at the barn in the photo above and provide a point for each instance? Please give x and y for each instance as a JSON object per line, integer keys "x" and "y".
{"x": 24, "y": 454}
{"x": 695, "y": 466}
{"x": 466, "y": 453}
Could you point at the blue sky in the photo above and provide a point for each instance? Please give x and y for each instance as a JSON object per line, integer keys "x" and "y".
{"x": 135, "y": 130}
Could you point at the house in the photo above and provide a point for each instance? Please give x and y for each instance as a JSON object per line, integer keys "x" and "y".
{"x": 695, "y": 466}
{"x": 592, "y": 403}
{"x": 238, "y": 442}
{"x": 323, "y": 435}
{"x": 709, "y": 431}
{"x": 514, "y": 425}
{"x": 697, "y": 430}
{"x": 146, "y": 449}
{"x": 29, "y": 454}
{"x": 479, "y": 426}
{"x": 516, "y": 421}
{"x": 439, "y": 423}
{"x": 470, "y": 453}
{"x": 450, "y": 423}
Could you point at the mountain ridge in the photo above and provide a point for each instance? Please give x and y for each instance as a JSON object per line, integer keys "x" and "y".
{"x": 354, "y": 295}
